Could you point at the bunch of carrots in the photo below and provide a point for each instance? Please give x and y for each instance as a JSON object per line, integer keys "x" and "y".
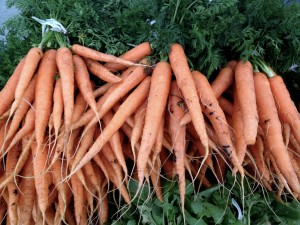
{"x": 65, "y": 143}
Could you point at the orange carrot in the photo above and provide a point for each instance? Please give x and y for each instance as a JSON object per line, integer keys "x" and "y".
{"x": 287, "y": 110}
{"x": 178, "y": 135}
{"x": 78, "y": 193}
{"x": 32, "y": 60}
{"x": 22, "y": 108}
{"x": 27, "y": 193}
{"x": 58, "y": 107}
{"x": 41, "y": 176}
{"x": 83, "y": 81}
{"x": 223, "y": 80}
{"x": 99, "y": 56}
{"x": 112, "y": 96}
{"x": 66, "y": 71}
{"x": 100, "y": 71}
{"x": 187, "y": 85}
{"x": 43, "y": 93}
{"x": 155, "y": 179}
{"x": 134, "y": 55}
{"x": 269, "y": 120}
{"x": 157, "y": 101}
{"x": 137, "y": 129}
{"x": 158, "y": 144}
{"x": 7, "y": 94}
{"x": 126, "y": 109}
{"x": 246, "y": 95}
{"x": 217, "y": 118}
{"x": 226, "y": 105}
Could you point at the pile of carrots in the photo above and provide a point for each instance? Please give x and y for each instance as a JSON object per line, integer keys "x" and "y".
{"x": 65, "y": 143}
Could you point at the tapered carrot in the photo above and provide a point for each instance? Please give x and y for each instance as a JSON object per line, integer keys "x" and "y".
{"x": 157, "y": 101}
{"x": 7, "y": 94}
{"x": 137, "y": 129}
{"x": 238, "y": 128}
{"x": 223, "y": 80}
{"x": 27, "y": 128}
{"x": 58, "y": 107}
{"x": 155, "y": 179}
{"x": 287, "y": 110}
{"x": 134, "y": 55}
{"x": 217, "y": 118}
{"x": 99, "y": 56}
{"x": 186, "y": 84}
{"x": 158, "y": 144}
{"x": 41, "y": 176}
{"x": 100, "y": 71}
{"x": 13, "y": 193}
{"x": 113, "y": 95}
{"x": 246, "y": 95}
{"x": 269, "y": 120}
{"x": 103, "y": 208}
{"x": 226, "y": 105}
{"x": 126, "y": 109}
{"x": 66, "y": 71}
{"x": 22, "y": 108}
{"x": 32, "y": 60}
{"x": 168, "y": 164}
{"x": 78, "y": 192}
{"x": 82, "y": 79}
{"x": 43, "y": 93}
{"x": 178, "y": 135}
{"x": 116, "y": 144}
{"x": 27, "y": 193}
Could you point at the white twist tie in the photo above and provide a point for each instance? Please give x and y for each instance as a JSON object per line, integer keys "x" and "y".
{"x": 53, "y": 24}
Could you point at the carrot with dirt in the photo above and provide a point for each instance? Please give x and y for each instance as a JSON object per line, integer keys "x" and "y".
{"x": 134, "y": 55}
{"x": 99, "y": 56}
{"x": 157, "y": 101}
{"x": 246, "y": 94}
{"x": 136, "y": 98}
{"x": 269, "y": 121}
{"x": 100, "y": 71}
{"x": 7, "y": 94}
{"x": 178, "y": 135}
{"x": 43, "y": 93}
{"x": 66, "y": 71}
{"x": 187, "y": 85}
{"x": 32, "y": 60}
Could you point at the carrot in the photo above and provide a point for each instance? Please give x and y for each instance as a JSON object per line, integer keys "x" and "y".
{"x": 58, "y": 107}
{"x": 217, "y": 118}
{"x": 22, "y": 108}
{"x": 137, "y": 129}
{"x": 187, "y": 85}
{"x": 287, "y": 110}
{"x": 155, "y": 179}
{"x": 246, "y": 95}
{"x": 65, "y": 67}
{"x": 13, "y": 193}
{"x": 238, "y": 128}
{"x": 41, "y": 176}
{"x": 7, "y": 94}
{"x": 223, "y": 80}
{"x": 178, "y": 135}
{"x": 116, "y": 144}
{"x": 78, "y": 193}
{"x": 112, "y": 96}
{"x": 157, "y": 101}
{"x": 286, "y": 132}
{"x": 32, "y": 60}
{"x": 27, "y": 128}
{"x": 103, "y": 208}
{"x": 27, "y": 193}
{"x": 126, "y": 109}
{"x": 83, "y": 81}
{"x": 91, "y": 177}
{"x": 269, "y": 120}
{"x": 158, "y": 144}
{"x": 168, "y": 164}
{"x": 100, "y": 71}
{"x": 102, "y": 90}
{"x": 3, "y": 210}
{"x": 43, "y": 93}
{"x": 220, "y": 168}
{"x": 226, "y": 105}
{"x": 134, "y": 55}
{"x": 99, "y": 56}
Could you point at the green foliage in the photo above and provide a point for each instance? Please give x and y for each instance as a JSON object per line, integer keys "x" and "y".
{"x": 212, "y": 31}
